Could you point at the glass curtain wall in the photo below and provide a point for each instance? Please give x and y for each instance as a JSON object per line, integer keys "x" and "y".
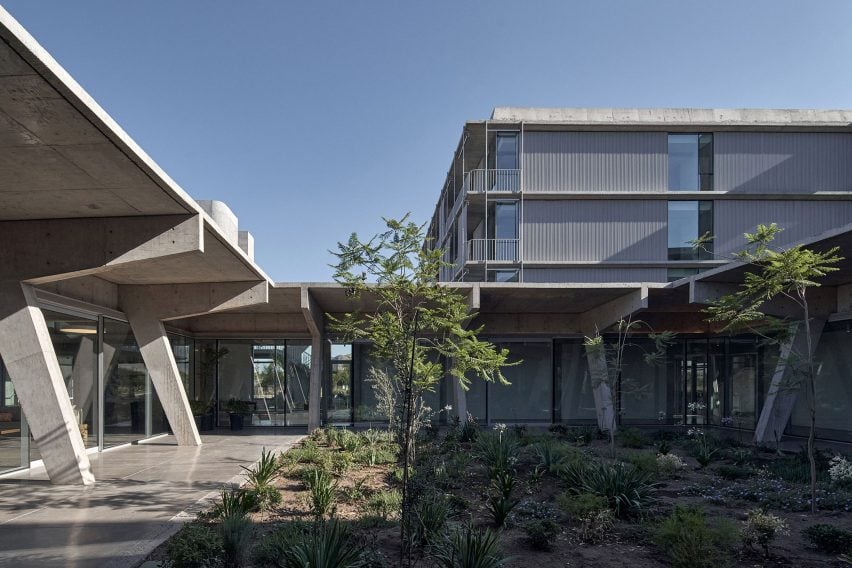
{"x": 75, "y": 341}
{"x": 337, "y": 391}
{"x": 13, "y": 447}
{"x": 575, "y": 399}
{"x": 127, "y": 392}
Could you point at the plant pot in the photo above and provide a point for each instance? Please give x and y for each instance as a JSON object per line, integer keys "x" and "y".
{"x": 237, "y": 421}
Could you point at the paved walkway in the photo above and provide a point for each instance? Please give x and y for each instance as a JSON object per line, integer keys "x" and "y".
{"x": 142, "y": 494}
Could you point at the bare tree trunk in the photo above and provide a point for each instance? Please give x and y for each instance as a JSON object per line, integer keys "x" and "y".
{"x": 812, "y": 399}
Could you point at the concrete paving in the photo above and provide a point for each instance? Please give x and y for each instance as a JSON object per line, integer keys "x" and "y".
{"x": 142, "y": 495}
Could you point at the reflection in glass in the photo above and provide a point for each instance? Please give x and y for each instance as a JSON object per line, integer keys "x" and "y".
{"x": 127, "y": 389}
{"x": 687, "y": 221}
{"x": 533, "y": 377}
{"x": 339, "y": 385}
{"x": 683, "y": 162}
{"x": 574, "y": 383}
{"x": 74, "y": 340}
{"x": 11, "y": 427}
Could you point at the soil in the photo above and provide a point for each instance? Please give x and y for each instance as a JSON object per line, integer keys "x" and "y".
{"x": 629, "y": 545}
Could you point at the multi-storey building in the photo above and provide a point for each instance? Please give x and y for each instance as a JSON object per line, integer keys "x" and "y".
{"x": 617, "y": 195}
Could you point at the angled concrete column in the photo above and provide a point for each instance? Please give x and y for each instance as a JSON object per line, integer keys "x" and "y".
{"x": 32, "y": 365}
{"x": 160, "y": 361}
{"x": 604, "y": 408}
{"x": 783, "y": 392}
{"x": 315, "y": 320}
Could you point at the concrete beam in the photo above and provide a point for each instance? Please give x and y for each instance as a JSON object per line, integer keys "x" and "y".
{"x": 315, "y": 320}
{"x": 31, "y": 362}
{"x": 57, "y": 249}
{"x": 173, "y": 301}
{"x": 602, "y": 316}
{"x": 823, "y": 301}
{"x": 783, "y": 387}
{"x": 160, "y": 362}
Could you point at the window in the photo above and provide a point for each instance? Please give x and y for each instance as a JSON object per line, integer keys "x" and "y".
{"x": 510, "y": 275}
{"x": 504, "y": 220}
{"x": 506, "y": 152}
{"x": 689, "y": 220}
{"x": 673, "y": 274}
{"x": 690, "y": 162}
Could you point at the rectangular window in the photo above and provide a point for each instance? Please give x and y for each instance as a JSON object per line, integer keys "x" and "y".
{"x": 673, "y": 274}
{"x": 689, "y": 220}
{"x": 503, "y": 275}
{"x": 690, "y": 162}
{"x": 506, "y": 152}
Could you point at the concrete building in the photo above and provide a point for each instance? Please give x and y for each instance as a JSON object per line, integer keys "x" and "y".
{"x": 128, "y": 308}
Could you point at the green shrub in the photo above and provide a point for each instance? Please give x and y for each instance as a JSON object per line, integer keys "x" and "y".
{"x": 761, "y": 528}
{"x": 500, "y": 506}
{"x": 703, "y": 448}
{"x": 670, "y": 465}
{"x": 646, "y": 463}
{"x": 797, "y": 468}
{"x": 356, "y": 492}
{"x": 740, "y": 456}
{"x": 551, "y": 455}
{"x": 541, "y": 533}
{"x": 384, "y": 504}
{"x": 632, "y": 438}
{"x": 690, "y": 541}
{"x": 322, "y": 493}
{"x": 195, "y": 546}
{"x": 828, "y": 538}
{"x": 469, "y": 548}
{"x": 469, "y": 431}
{"x": 594, "y": 527}
{"x": 579, "y": 505}
{"x": 627, "y": 490}
{"x": 431, "y": 513}
{"x": 265, "y": 497}
{"x": 663, "y": 447}
{"x": 234, "y": 503}
{"x": 236, "y": 532}
{"x": 733, "y": 472}
{"x": 350, "y": 441}
{"x": 272, "y": 546}
{"x": 264, "y": 471}
{"x": 326, "y": 545}
{"x": 499, "y": 452}
{"x": 341, "y": 462}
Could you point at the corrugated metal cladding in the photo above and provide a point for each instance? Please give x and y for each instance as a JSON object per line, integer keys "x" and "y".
{"x": 782, "y": 162}
{"x": 594, "y": 230}
{"x": 595, "y": 161}
{"x": 799, "y": 219}
{"x": 592, "y": 275}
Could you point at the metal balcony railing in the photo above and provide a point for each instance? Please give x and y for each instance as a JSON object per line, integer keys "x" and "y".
{"x": 493, "y": 250}
{"x": 480, "y": 181}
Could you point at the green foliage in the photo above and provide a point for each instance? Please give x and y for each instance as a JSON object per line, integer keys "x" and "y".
{"x": 326, "y": 545}
{"x": 322, "y": 493}
{"x": 264, "y": 471}
{"x": 469, "y": 431}
{"x": 195, "y": 546}
{"x": 581, "y": 504}
{"x": 796, "y": 468}
{"x": 632, "y": 438}
{"x": 541, "y": 533}
{"x": 341, "y": 462}
{"x": 663, "y": 447}
{"x": 691, "y": 541}
{"x": 627, "y": 490}
{"x": 761, "y": 528}
{"x": 431, "y": 513}
{"x": 356, "y": 492}
{"x": 551, "y": 455}
{"x": 265, "y": 497}
{"x": 236, "y": 532}
{"x": 740, "y": 456}
{"x": 828, "y": 538}
{"x": 646, "y": 463}
{"x": 384, "y": 504}
{"x": 234, "y": 503}
{"x": 500, "y": 502}
{"x": 349, "y": 441}
{"x": 733, "y": 472}
{"x": 469, "y": 548}
{"x": 499, "y": 452}
{"x": 703, "y": 447}
{"x": 595, "y": 526}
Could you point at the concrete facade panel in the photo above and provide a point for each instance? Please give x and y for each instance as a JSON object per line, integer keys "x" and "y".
{"x": 594, "y": 274}
{"x": 799, "y": 219}
{"x": 782, "y": 162}
{"x": 594, "y": 161}
{"x": 594, "y": 230}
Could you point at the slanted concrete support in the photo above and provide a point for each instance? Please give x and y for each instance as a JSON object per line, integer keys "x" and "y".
{"x": 32, "y": 365}
{"x": 147, "y": 306}
{"x": 784, "y": 388}
{"x": 315, "y": 320}
{"x": 604, "y": 407}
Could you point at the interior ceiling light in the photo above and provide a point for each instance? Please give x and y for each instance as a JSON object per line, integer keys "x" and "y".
{"x": 80, "y": 330}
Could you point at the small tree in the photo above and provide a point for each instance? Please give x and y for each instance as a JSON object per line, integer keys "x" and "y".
{"x": 787, "y": 273}
{"x": 610, "y": 372}
{"x": 415, "y": 323}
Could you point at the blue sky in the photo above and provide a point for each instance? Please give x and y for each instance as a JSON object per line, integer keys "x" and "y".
{"x": 314, "y": 119}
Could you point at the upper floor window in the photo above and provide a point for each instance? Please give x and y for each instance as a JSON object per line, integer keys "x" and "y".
{"x": 689, "y": 220}
{"x": 506, "y": 151}
{"x": 690, "y": 162}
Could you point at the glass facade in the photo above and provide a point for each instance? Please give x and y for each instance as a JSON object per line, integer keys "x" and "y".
{"x": 13, "y": 447}
{"x": 337, "y": 390}
{"x": 687, "y": 221}
{"x": 690, "y": 162}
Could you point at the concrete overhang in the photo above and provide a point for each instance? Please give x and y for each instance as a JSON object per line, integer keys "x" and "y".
{"x": 62, "y": 156}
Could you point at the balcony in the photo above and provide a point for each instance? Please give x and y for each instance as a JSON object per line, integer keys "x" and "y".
{"x": 492, "y": 250}
{"x": 500, "y": 181}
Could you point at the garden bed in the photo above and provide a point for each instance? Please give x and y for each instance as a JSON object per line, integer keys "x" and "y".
{"x": 558, "y": 498}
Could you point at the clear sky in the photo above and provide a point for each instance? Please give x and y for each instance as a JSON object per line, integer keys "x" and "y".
{"x": 314, "y": 119}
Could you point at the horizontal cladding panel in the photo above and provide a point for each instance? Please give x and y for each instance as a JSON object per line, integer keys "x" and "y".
{"x": 800, "y": 162}
{"x": 594, "y": 230}
{"x": 595, "y": 161}
{"x": 594, "y": 275}
{"x": 799, "y": 219}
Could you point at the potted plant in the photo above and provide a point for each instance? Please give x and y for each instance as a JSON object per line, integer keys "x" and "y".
{"x": 201, "y": 412}
{"x": 237, "y": 409}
